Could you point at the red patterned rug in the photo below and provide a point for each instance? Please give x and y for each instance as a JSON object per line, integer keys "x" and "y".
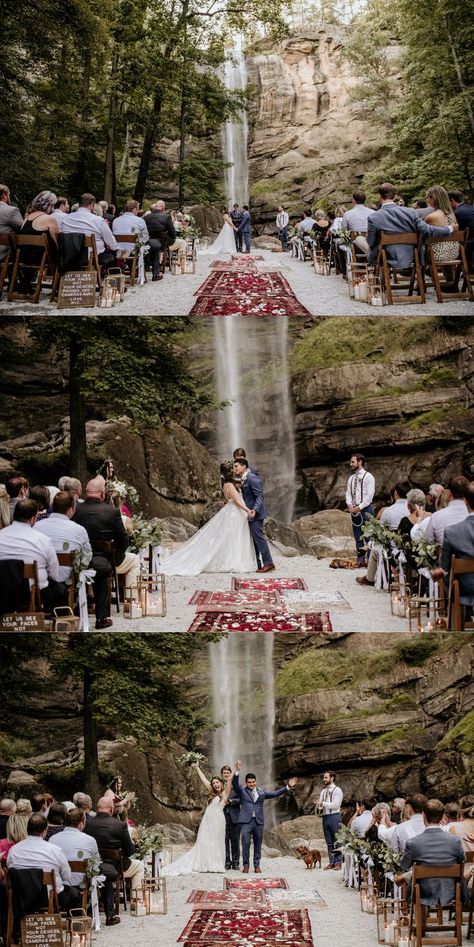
{"x": 254, "y": 884}
{"x": 248, "y": 599}
{"x": 268, "y": 584}
{"x": 237, "y": 257}
{"x": 313, "y": 622}
{"x": 284, "y": 927}
{"x": 234, "y": 265}
{"x": 228, "y": 900}
{"x": 248, "y": 306}
{"x": 259, "y": 284}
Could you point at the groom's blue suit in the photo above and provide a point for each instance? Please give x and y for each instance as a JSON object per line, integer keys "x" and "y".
{"x": 251, "y": 817}
{"x": 252, "y": 492}
{"x": 244, "y": 228}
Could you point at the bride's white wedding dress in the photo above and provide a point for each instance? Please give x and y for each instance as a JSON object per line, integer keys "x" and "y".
{"x": 208, "y": 851}
{"x": 224, "y": 242}
{"x": 224, "y": 544}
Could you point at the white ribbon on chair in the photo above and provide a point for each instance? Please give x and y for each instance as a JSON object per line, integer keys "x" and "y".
{"x": 86, "y": 577}
{"x": 433, "y": 592}
{"x": 141, "y": 266}
{"x": 381, "y": 575}
{"x": 96, "y": 882}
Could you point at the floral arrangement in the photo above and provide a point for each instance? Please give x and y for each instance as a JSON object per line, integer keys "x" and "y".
{"x": 93, "y": 869}
{"x": 185, "y": 224}
{"x": 148, "y": 840}
{"x": 141, "y": 241}
{"x": 389, "y": 859}
{"x": 352, "y": 842}
{"x": 425, "y": 554}
{"x": 145, "y": 533}
{"x": 124, "y": 490}
{"x": 346, "y": 236}
{"x": 191, "y": 758}
{"x": 377, "y": 532}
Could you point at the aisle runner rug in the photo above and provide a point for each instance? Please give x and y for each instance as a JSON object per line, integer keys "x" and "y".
{"x": 228, "y": 900}
{"x": 313, "y": 622}
{"x": 269, "y": 584}
{"x": 254, "y": 884}
{"x": 247, "y": 599}
{"x": 245, "y": 257}
{"x": 297, "y": 897}
{"x": 234, "y": 266}
{"x": 258, "y": 284}
{"x": 248, "y": 306}
{"x": 286, "y": 927}
{"x": 294, "y": 599}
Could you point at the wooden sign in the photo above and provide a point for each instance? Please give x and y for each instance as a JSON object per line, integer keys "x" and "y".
{"x": 31, "y": 621}
{"x": 42, "y": 930}
{"x": 77, "y": 290}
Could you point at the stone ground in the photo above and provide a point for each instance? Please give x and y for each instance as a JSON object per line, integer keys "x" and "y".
{"x": 339, "y": 922}
{"x": 370, "y": 610}
{"x": 173, "y": 296}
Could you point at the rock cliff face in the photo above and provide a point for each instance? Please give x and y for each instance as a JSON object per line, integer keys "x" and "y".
{"x": 307, "y": 140}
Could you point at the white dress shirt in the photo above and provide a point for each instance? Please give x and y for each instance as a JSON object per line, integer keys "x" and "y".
{"x": 393, "y": 514}
{"x": 356, "y": 218}
{"x": 34, "y": 852}
{"x": 82, "y": 221}
{"x": 282, "y": 220}
{"x": 76, "y": 847}
{"x": 386, "y": 832}
{"x": 306, "y": 225}
{"x": 129, "y": 223}
{"x": 361, "y": 823}
{"x": 405, "y": 830}
{"x": 331, "y": 798}
{"x": 65, "y": 536}
{"x": 21, "y": 541}
{"x": 453, "y": 513}
{"x": 59, "y": 215}
{"x": 418, "y": 531}
{"x": 360, "y": 489}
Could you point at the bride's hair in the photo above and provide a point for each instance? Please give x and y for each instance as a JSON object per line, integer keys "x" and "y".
{"x": 227, "y": 472}
{"x": 212, "y": 793}
{"x": 225, "y": 210}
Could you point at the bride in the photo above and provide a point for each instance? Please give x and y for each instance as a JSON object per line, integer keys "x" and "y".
{"x": 224, "y": 544}
{"x": 225, "y": 240}
{"x": 208, "y": 852}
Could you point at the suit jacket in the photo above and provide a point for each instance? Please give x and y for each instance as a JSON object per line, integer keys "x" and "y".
{"x": 104, "y": 522}
{"x": 458, "y": 540}
{"x": 434, "y": 847}
{"x": 111, "y": 833}
{"x": 159, "y": 222}
{"x": 232, "y": 809}
{"x": 252, "y": 492}
{"x": 11, "y": 221}
{"x": 465, "y": 218}
{"x": 394, "y": 219}
{"x": 248, "y": 806}
{"x": 244, "y": 225}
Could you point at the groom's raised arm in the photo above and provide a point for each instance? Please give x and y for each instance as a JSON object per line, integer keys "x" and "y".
{"x": 235, "y": 780}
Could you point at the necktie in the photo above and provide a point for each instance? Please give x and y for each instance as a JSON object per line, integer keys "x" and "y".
{"x": 254, "y": 795}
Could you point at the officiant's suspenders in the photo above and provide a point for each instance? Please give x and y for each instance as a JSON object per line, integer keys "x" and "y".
{"x": 330, "y": 792}
{"x": 354, "y": 482}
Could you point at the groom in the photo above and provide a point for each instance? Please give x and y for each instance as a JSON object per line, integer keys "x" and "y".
{"x": 244, "y": 227}
{"x": 252, "y": 492}
{"x": 251, "y": 819}
{"x": 236, "y": 217}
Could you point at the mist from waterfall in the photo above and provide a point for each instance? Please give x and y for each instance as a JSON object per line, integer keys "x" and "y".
{"x": 252, "y": 373}
{"x": 235, "y": 134}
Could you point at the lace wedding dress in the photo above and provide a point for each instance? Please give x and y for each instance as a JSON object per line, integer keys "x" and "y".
{"x": 224, "y": 242}
{"x": 224, "y": 544}
{"x": 208, "y": 852}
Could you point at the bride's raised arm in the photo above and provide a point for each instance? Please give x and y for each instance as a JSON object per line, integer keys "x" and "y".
{"x": 201, "y": 775}
{"x": 231, "y": 493}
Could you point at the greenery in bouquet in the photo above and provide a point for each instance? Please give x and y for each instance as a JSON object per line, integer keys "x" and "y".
{"x": 189, "y": 758}
{"x": 378, "y": 532}
{"x": 148, "y": 841}
{"x": 186, "y": 225}
{"x": 124, "y": 490}
{"x": 294, "y": 232}
{"x": 141, "y": 242}
{"x": 346, "y": 236}
{"x": 389, "y": 859}
{"x": 93, "y": 869}
{"x": 145, "y": 533}
{"x": 425, "y": 554}
{"x": 352, "y": 842}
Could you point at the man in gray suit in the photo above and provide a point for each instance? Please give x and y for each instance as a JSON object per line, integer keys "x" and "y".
{"x": 433, "y": 847}
{"x": 458, "y": 541}
{"x": 391, "y": 218}
{"x": 11, "y": 220}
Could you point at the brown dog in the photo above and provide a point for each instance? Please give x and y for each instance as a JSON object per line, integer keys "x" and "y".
{"x": 310, "y": 858}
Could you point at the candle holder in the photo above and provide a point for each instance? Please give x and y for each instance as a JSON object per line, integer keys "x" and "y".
{"x": 357, "y": 273}
{"x": 190, "y": 264}
{"x": 153, "y": 594}
{"x": 155, "y": 896}
{"x": 108, "y": 296}
{"x": 389, "y": 914}
{"x": 398, "y": 600}
{"x": 137, "y": 907}
{"x": 133, "y": 602}
{"x": 116, "y": 279}
{"x": 424, "y": 613}
{"x": 80, "y": 928}
{"x": 368, "y": 897}
{"x": 376, "y": 292}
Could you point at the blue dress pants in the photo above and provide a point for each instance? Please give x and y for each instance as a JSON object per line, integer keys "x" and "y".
{"x": 252, "y": 830}
{"x": 331, "y": 825}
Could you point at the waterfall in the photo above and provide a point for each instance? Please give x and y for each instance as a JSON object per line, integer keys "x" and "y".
{"x": 235, "y": 134}
{"x": 252, "y": 373}
{"x": 243, "y": 703}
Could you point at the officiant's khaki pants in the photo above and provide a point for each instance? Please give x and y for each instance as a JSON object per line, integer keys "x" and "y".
{"x": 136, "y": 873}
{"x": 130, "y": 567}
{"x": 180, "y": 246}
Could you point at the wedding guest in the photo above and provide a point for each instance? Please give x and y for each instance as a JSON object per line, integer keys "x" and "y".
{"x": 355, "y": 219}
{"x": 40, "y": 219}
{"x": 7, "y": 808}
{"x": 391, "y": 517}
{"x": 16, "y": 831}
{"x": 40, "y": 494}
{"x": 455, "y": 512}
{"x": 72, "y": 485}
{"x": 78, "y": 845}
{"x": 130, "y": 223}
{"x": 441, "y": 215}
{"x": 321, "y": 228}
{"x": 435, "y": 490}
{"x": 56, "y": 819}
{"x": 85, "y": 221}
{"x": 61, "y": 210}
{"x": 465, "y": 217}
{"x": 393, "y": 219}
{"x": 360, "y": 821}
{"x": 464, "y": 828}
{"x": 433, "y": 847}
{"x": 4, "y": 507}
{"x": 83, "y": 802}
{"x": 11, "y": 220}
{"x": 64, "y": 533}
{"x": 17, "y": 489}
{"x": 398, "y": 806}
{"x": 414, "y": 825}
{"x": 159, "y": 223}
{"x": 282, "y": 221}
{"x": 40, "y": 803}
{"x": 20, "y": 541}
{"x": 35, "y": 852}
{"x": 458, "y": 540}
{"x": 24, "y": 807}
{"x": 304, "y": 228}
{"x": 111, "y": 834}
{"x": 422, "y": 208}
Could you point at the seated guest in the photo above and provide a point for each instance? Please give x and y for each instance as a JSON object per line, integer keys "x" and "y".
{"x": 24, "y": 808}
{"x": 458, "y": 540}
{"x": 16, "y": 830}
{"x": 11, "y": 220}
{"x": 104, "y": 206}
{"x": 129, "y": 223}
{"x": 39, "y": 220}
{"x": 434, "y": 492}
{"x": 7, "y": 808}
{"x": 416, "y": 508}
{"x": 83, "y": 802}
{"x": 304, "y": 228}
{"x": 85, "y": 221}
{"x": 465, "y": 217}
{"x": 414, "y": 825}
{"x": 392, "y": 219}
{"x": 61, "y": 210}
{"x": 35, "y": 852}
{"x": 104, "y": 522}
{"x": 56, "y": 819}
{"x": 17, "y": 489}
{"x": 421, "y": 208}
{"x": 433, "y": 847}
{"x": 112, "y": 834}
{"x": 361, "y": 819}
{"x": 452, "y": 814}
{"x": 441, "y": 215}
{"x": 40, "y": 803}
{"x": 4, "y": 507}
{"x": 66, "y": 535}
{"x": 455, "y": 512}
{"x": 41, "y": 496}
{"x": 398, "y": 805}
{"x": 79, "y": 845}
{"x": 464, "y": 828}
{"x": 391, "y": 517}
{"x": 162, "y": 231}
{"x": 110, "y": 213}
{"x": 20, "y": 541}
{"x": 74, "y": 486}
{"x": 355, "y": 219}
{"x": 116, "y": 500}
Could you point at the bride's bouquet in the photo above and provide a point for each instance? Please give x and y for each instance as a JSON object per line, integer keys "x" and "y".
{"x": 191, "y": 758}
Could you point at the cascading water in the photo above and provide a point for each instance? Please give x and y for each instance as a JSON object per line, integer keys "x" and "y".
{"x": 235, "y": 134}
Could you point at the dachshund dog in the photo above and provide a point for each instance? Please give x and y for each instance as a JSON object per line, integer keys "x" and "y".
{"x": 310, "y": 858}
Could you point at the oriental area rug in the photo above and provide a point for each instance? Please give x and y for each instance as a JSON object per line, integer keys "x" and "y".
{"x": 212, "y": 621}
{"x": 269, "y": 584}
{"x": 228, "y": 899}
{"x": 248, "y": 599}
{"x": 254, "y": 884}
{"x": 241, "y": 288}
{"x": 289, "y": 928}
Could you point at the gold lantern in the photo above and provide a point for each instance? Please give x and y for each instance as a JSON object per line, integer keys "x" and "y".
{"x": 133, "y": 602}
{"x": 155, "y": 895}
{"x": 424, "y": 613}
{"x": 80, "y": 931}
{"x": 115, "y": 279}
{"x": 153, "y": 595}
{"x": 376, "y": 292}
{"x": 357, "y": 274}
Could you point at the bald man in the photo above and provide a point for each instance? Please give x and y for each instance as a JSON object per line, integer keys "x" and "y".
{"x": 160, "y": 221}
{"x": 104, "y": 522}
{"x": 111, "y": 834}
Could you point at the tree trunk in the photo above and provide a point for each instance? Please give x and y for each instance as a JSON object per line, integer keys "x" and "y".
{"x": 182, "y": 148}
{"x": 80, "y": 174}
{"x": 457, "y": 67}
{"x": 148, "y": 145}
{"x": 77, "y": 418}
{"x": 109, "y": 151}
{"x": 91, "y": 756}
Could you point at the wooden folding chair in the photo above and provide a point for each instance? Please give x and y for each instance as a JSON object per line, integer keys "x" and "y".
{"x": 81, "y": 866}
{"x": 67, "y": 559}
{"x": 130, "y": 238}
{"x": 92, "y": 264}
{"x": 106, "y": 548}
{"x": 49, "y": 880}
{"x": 114, "y": 856}
{"x": 30, "y": 572}
{"x": 17, "y": 242}
{"x": 456, "y": 611}
{"x": 4, "y": 242}
{"x": 385, "y": 269}
{"x": 419, "y": 922}
{"x": 458, "y": 264}
{"x": 470, "y": 861}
